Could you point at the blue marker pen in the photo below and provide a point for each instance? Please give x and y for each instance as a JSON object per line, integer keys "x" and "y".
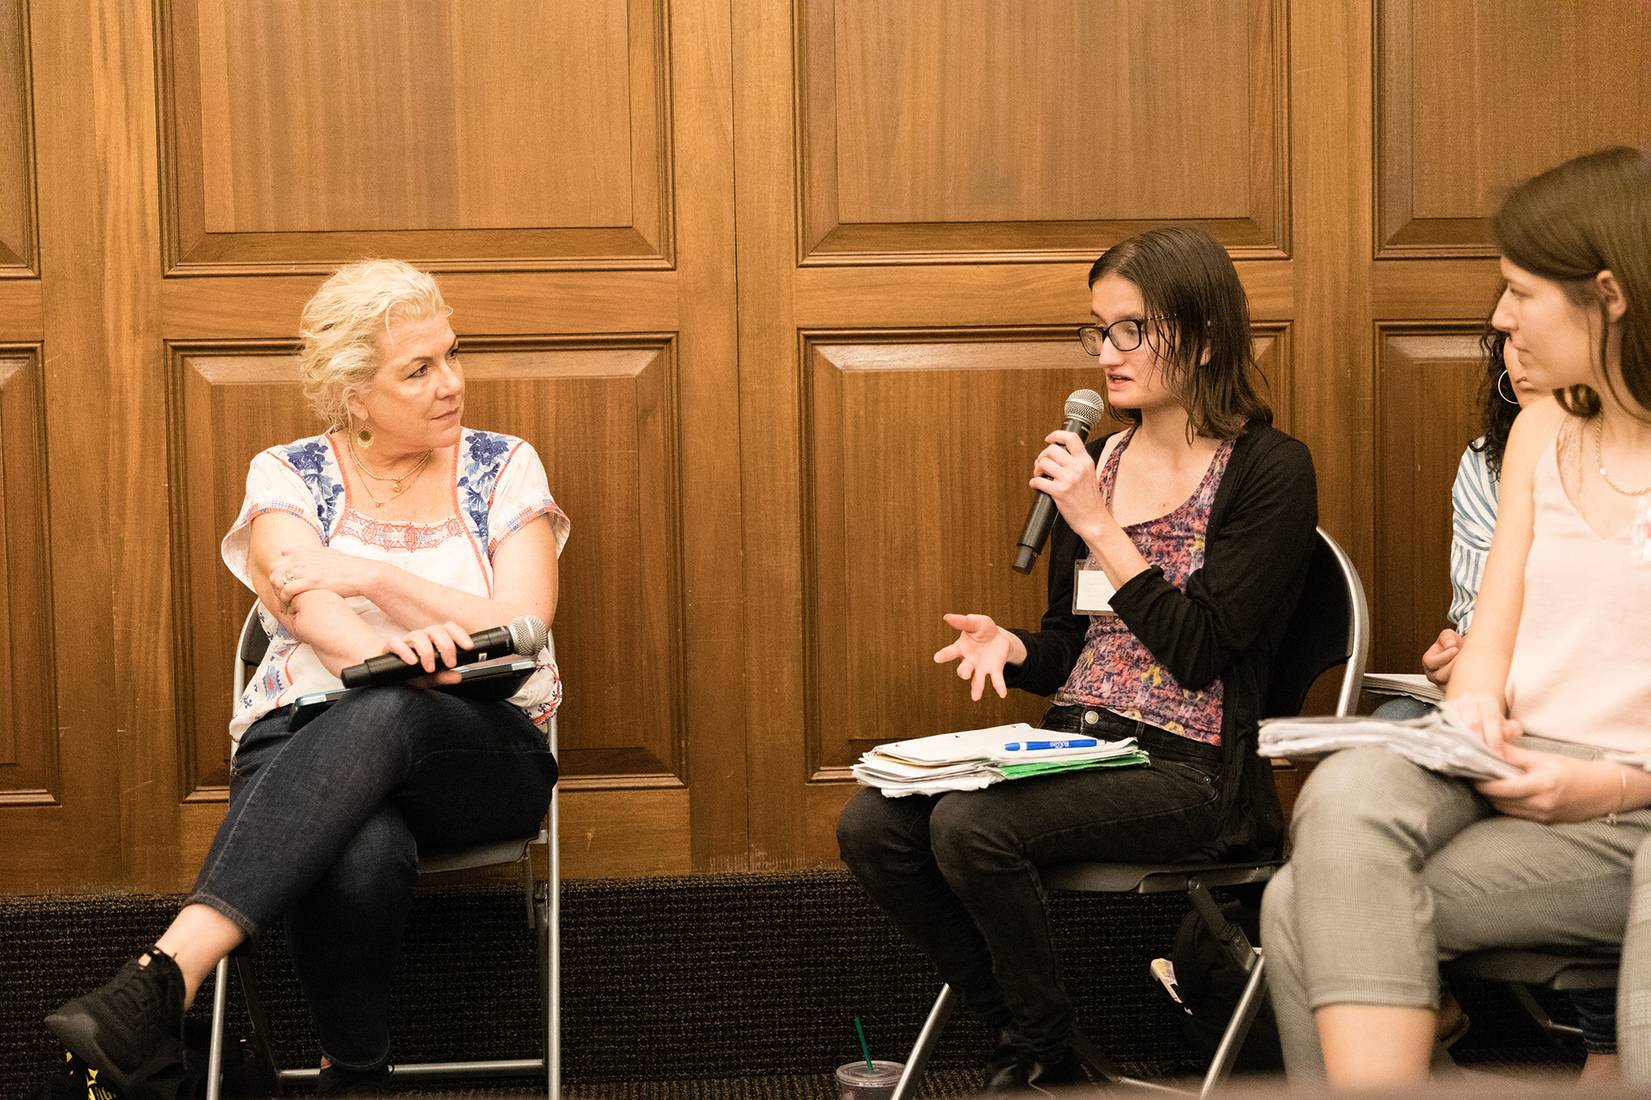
{"x": 1072, "y": 743}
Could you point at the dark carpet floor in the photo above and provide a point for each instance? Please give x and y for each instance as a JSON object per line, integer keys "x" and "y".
{"x": 718, "y": 985}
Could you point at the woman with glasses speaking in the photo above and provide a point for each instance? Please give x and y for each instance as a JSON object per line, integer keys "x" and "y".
{"x": 1191, "y": 530}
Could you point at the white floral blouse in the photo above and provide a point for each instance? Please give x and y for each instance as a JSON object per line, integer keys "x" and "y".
{"x": 499, "y": 486}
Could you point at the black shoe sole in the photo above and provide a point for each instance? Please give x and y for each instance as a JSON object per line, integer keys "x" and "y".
{"x": 78, "y": 1032}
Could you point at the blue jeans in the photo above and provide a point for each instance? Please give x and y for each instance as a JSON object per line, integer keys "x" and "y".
{"x": 958, "y": 873}
{"x": 325, "y": 825}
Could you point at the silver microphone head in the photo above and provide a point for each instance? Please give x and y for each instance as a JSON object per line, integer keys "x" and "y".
{"x": 527, "y": 635}
{"x": 1084, "y": 405}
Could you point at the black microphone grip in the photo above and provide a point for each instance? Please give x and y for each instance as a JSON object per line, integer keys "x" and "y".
{"x": 1042, "y": 515}
{"x": 387, "y": 668}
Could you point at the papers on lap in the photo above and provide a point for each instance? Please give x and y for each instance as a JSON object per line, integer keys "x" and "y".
{"x": 1412, "y": 684}
{"x": 972, "y": 759}
{"x": 1432, "y": 741}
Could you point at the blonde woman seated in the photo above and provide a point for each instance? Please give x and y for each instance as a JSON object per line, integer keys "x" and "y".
{"x": 397, "y": 531}
{"x": 1395, "y": 867}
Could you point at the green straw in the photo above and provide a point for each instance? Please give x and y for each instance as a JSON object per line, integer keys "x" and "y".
{"x": 864, "y": 1049}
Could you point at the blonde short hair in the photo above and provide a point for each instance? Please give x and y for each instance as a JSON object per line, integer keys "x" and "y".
{"x": 338, "y": 330}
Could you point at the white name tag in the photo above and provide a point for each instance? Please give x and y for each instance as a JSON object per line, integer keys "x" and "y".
{"x": 1091, "y": 592}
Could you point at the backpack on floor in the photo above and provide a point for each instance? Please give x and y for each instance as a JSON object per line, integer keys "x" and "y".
{"x": 243, "y": 1076}
{"x": 1209, "y": 982}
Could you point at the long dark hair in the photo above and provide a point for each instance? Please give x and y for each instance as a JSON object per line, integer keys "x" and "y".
{"x": 1568, "y": 224}
{"x": 1496, "y": 412}
{"x": 1186, "y": 278}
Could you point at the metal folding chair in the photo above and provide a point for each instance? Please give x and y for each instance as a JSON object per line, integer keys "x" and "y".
{"x": 543, "y": 917}
{"x": 1330, "y": 626}
{"x": 1522, "y": 970}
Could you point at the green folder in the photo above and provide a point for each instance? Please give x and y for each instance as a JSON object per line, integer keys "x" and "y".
{"x": 1051, "y": 767}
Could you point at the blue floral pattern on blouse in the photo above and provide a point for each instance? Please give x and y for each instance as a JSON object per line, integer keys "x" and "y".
{"x": 311, "y": 459}
{"x": 482, "y": 455}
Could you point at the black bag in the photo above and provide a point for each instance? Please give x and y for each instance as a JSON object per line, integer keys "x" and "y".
{"x": 1210, "y": 981}
{"x": 243, "y": 1075}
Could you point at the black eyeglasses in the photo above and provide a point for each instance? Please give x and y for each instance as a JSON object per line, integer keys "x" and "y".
{"x": 1126, "y": 335}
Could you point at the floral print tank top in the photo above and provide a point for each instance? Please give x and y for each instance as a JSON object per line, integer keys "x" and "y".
{"x": 1116, "y": 671}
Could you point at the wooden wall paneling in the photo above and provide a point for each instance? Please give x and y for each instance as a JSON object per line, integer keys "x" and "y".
{"x": 1332, "y": 336}
{"x": 28, "y": 745}
{"x": 227, "y": 403}
{"x": 783, "y": 826}
{"x": 605, "y": 416}
{"x": 626, "y": 379}
{"x": 715, "y": 677}
{"x": 66, "y": 847}
{"x": 525, "y": 304}
{"x": 893, "y": 295}
{"x": 1476, "y": 95}
{"x": 972, "y": 130}
{"x": 391, "y": 129}
{"x": 913, "y": 500}
{"x": 1427, "y": 410}
{"x": 134, "y": 365}
{"x": 18, "y": 258}
{"x": 1276, "y": 365}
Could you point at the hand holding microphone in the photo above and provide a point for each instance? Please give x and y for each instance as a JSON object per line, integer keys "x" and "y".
{"x": 525, "y": 636}
{"x": 1083, "y": 409}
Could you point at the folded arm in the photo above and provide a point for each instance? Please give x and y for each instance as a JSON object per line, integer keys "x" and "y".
{"x": 524, "y": 583}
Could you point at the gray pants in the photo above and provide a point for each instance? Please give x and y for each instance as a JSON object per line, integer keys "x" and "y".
{"x": 1394, "y": 868}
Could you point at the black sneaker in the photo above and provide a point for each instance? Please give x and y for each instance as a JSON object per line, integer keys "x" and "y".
{"x": 130, "y": 1030}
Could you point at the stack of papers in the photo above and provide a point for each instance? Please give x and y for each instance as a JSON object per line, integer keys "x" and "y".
{"x": 972, "y": 759}
{"x": 1412, "y": 684}
{"x": 1433, "y": 741}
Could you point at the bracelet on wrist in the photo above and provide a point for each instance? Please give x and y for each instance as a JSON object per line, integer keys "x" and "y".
{"x": 1622, "y": 795}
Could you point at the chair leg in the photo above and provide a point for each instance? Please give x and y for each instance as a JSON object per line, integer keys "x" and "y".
{"x": 1238, "y": 1029}
{"x": 552, "y": 936}
{"x": 1539, "y": 1015}
{"x": 215, "y": 1049}
{"x": 263, "y": 1039}
{"x": 912, "y": 1074}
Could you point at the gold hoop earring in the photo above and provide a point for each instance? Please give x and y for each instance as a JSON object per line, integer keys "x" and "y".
{"x": 1506, "y": 395}
{"x": 364, "y": 437}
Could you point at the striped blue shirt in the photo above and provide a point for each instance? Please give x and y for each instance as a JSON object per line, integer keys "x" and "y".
{"x": 1473, "y": 518}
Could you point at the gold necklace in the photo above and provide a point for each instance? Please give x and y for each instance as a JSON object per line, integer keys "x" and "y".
{"x": 398, "y": 486}
{"x": 1599, "y": 460}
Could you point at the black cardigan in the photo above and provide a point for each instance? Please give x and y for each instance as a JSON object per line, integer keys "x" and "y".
{"x": 1226, "y": 624}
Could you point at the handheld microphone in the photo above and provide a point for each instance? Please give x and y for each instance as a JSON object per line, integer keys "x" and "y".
{"x": 525, "y": 636}
{"x": 1083, "y": 408}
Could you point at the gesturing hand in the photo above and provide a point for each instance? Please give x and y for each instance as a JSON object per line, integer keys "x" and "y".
{"x": 1066, "y": 473}
{"x": 1440, "y": 657}
{"x": 981, "y": 651}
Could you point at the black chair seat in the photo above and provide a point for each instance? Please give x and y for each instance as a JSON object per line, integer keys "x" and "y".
{"x": 1148, "y": 878}
{"x": 1546, "y": 969}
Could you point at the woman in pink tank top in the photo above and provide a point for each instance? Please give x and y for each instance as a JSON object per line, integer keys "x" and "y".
{"x": 1395, "y": 868}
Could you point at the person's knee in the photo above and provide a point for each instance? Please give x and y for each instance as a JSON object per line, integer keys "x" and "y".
{"x": 965, "y": 838}
{"x": 1354, "y": 790}
{"x": 864, "y": 828}
{"x": 394, "y": 710}
{"x": 376, "y": 866}
{"x": 1278, "y": 908}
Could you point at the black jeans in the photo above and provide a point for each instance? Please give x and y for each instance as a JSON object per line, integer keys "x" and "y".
{"x": 959, "y": 872}
{"x": 325, "y": 826}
